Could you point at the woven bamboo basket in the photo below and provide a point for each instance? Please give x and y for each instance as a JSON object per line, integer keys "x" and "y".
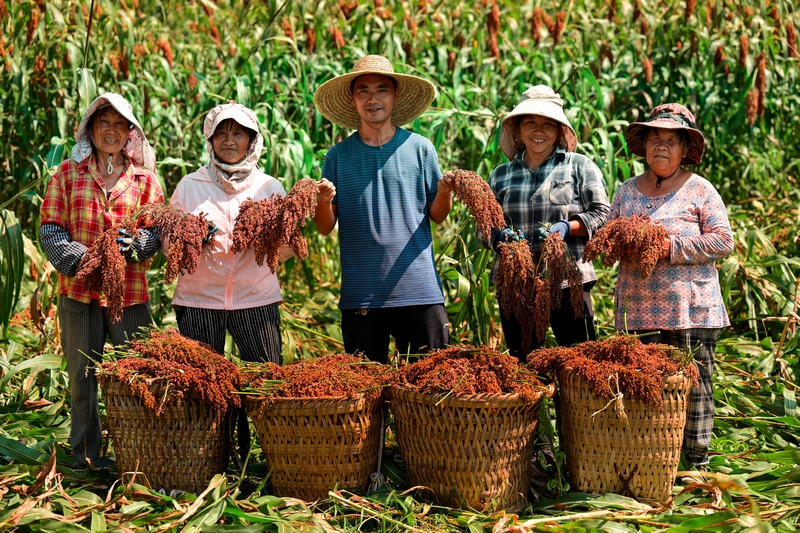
{"x": 314, "y": 445}
{"x": 604, "y": 455}
{"x": 182, "y": 449}
{"x": 471, "y": 451}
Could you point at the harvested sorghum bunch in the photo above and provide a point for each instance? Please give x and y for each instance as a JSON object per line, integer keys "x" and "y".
{"x": 634, "y": 239}
{"x": 340, "y": 375}
{"x": 527, "y": 291}
{"x": 102, "y": 271}
{"x": 639, "y": 367}
{"x": 275, "y": 221}
{"x": 466, "y": 370}
{"x": 185, "y": 233}
{"x": 473, "y": 191}
{"x": 164, "y": 367}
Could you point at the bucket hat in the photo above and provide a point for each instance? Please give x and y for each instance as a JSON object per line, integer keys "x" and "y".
{"x": 333, "y": 98}
{"x": 136, "y": 147}
{"x": 537, "y": 100}
{"x": 670, "y": 117}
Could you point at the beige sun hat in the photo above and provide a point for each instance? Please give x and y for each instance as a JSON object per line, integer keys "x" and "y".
{"x": 333, "y": 98}
{"x": 537, "y": 100}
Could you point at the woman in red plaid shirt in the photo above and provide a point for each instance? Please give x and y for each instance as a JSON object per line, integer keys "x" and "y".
{"x": 108, "y": 177}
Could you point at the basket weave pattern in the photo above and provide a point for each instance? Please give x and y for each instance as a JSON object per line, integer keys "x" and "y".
{"x": 646, "y": 455}
{"x": 313, "y": 445}
{"x": 471, "y": 450}
{"x": 181, "y": 449}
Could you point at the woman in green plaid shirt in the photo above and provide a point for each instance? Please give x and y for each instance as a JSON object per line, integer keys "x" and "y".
{"x": 545, "y": 184}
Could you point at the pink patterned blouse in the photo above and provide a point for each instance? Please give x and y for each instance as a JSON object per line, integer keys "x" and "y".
{"x": 683, "y": 292}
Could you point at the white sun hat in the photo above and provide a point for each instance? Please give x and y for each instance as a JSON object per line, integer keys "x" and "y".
{"x": 537, "y": 100}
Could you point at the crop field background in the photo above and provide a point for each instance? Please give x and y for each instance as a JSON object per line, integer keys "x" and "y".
{"x": 734, "y": 63}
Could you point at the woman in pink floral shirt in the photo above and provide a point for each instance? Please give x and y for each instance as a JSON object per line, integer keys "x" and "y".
{"x": 681, "y": 299}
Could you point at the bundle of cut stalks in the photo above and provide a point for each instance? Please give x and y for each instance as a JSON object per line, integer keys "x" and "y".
{"x": 339, "y": 375}
{"x": 102, "y": 270}
{"x": 164, "y": 367}
{"x": 636, "y": 240}
{"x": 275, "y": 221}
{"x": 464, "y": 370}
{"x": 185, "y": 233}
{"x": 527, "y": 289}
{"x": 637, "y": 369}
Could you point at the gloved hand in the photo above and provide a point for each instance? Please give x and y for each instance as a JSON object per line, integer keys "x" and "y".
{"x": 506, "y": 235}
{"x": 212, "y": 229}
{"x": 561, "y": 227}
{"x": 541, "y": 233}
{"x": 125, "y": 240}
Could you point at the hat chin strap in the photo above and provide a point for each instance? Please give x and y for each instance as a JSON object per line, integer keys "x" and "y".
{"x": 378, "y": 129}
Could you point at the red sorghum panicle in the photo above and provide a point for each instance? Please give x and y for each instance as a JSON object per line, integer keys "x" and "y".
{"x": 710, "y": 7}
{"x": 102, "y": 271}
{"x": 338, "y": 38}
{"x": 751, "y": 105}
{"x": 348, "y": 7}
{"x": 550, "y": 23}
{"x": 636, "y": 240}
{"x": 791, "y": 39}
{"x": 640, "y": 367}
{"x": 311, "y": 38}
{"x": 164, "y": 367}
{"x": 163, "y": 45}
{"x": 691, "y": 5}
{"x": 761, "y": 82}
{"x": 637, "y": 9}
{"x": 493, "y": 25}
{"x": 3, "y": 11}
{"x": 744, "y": 46}
{"x": 339, "y": 375}
{"x": 536, "y": 25}
{"x": 612, "y": 10}
{"x": 645, "y": 27}
{"x": 463, "y": 370}
{"x": 185, "y": 233}
{"x": 575, "y": 288}
{"x": 719, "y": 58}
{"x": 286, "y": 26}
{"x": 647, "y": 66}
{"x": 559, "y": 27}
{"x": 275, "y": 221}
{"x": 553, "y": 266}
{"x": 475, "y": 193}
{"x": 33, "y": 23}
{"x": 515, "y": 278}
{"x": 541, "y": 313}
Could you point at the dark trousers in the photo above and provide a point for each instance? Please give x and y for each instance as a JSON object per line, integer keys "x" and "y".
{"x": 567, "y": 329}
{"x": 257, "y": 334}
{"x": 84, "y": 329}
{"x": 700, "y": 412}
{"x": 415, "y": 328}
{"x": 255, "y": 330}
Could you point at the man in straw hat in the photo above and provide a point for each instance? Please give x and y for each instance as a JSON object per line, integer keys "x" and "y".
{"x": 383, "y": 186}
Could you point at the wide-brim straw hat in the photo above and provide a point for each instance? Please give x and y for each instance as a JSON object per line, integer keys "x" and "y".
{"x": 669, "y": 117}
{"x": 334, "y": 101}
{"x": 537, "y": 100}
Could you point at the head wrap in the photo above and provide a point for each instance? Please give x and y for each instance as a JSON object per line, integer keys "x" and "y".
{"x": 136, "y": 147}
{"x": 233, "y": 177}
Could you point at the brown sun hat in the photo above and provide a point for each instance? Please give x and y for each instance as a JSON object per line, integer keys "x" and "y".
{"x": 537, "y": 100}
{"x": 333, "y": 98}
{"x": 668, "y": 117}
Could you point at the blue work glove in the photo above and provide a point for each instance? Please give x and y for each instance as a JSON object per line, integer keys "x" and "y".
{"x": 561, "y": 227}
{"x": 506, "y": 235}
{"x": 212, "y": 229}
{"x": 125, "y": 240}
{"x": 541, "y": 233}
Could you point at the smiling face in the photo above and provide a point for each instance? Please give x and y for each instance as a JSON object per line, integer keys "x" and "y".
{"x": 109, "y": 131}
{"x": 664, "y": 150}
{"x": 231, "y": 141}
{"x": 373, "y": 96}
{"x": 539, "y": 134}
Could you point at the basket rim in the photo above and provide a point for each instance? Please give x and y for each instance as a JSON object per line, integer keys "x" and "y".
{"x": 455, "y": 399}
{"x": 665, "y": 379}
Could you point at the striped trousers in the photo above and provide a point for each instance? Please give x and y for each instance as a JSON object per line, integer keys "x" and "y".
{"x": 255, "y": 330}
{"x": 84, "y": 329}
{"x": 700, "y": 413}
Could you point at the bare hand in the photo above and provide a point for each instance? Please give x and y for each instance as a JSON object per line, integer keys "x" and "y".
{"x": 446, "y": 185}
{"x": 325, "y": 191}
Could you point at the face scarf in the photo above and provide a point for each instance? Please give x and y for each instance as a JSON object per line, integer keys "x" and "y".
{"x": 232, "y": 178}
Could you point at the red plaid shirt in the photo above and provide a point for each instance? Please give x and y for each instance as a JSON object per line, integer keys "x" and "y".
{"x": 76, "y": 200}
